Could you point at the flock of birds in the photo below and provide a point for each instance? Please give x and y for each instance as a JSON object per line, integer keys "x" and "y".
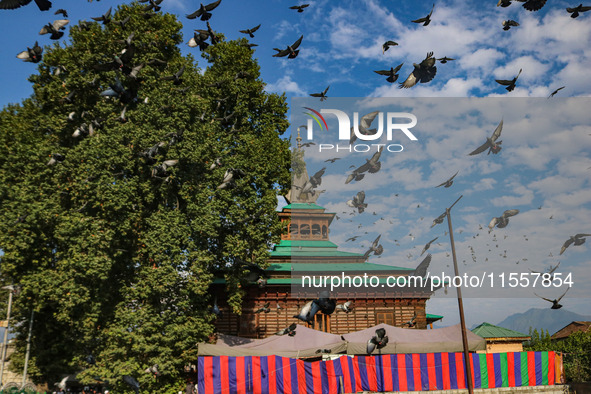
{"x": 360, "y": 204}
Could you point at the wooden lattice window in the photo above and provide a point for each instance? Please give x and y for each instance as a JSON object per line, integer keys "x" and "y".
{"x": 385, "y": 317}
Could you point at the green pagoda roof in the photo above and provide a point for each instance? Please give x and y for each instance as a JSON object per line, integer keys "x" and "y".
{"x": 302, "y": 205}
{"x": 487, "y": 330}
{"x": 334, "y": 267}
{"x": 309, "y": 249}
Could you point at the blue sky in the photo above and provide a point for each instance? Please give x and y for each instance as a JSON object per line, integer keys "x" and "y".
{"x": 342, "y": 47}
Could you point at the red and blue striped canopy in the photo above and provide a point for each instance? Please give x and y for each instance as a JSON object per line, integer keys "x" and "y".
{"x": 391, "y": 372}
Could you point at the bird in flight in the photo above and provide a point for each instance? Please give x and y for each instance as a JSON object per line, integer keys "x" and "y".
{"x": 358, "y": 202}
{"x": 575, "y": 11}
{"x": 392, "y": 73}
{"x": 556, "y": 91}
{"x": 491, "y": 143}
{"x": 33, "y": 55}
{"x": 449, "y": 182}
{"x": 251, "y": 31}
{"x": 300, "y": 8}
{"x": 532, "y": 5}
{"x": 291, "y": 51}
{"x": 43, "y": 5}
{"x": 55, "y": 28}
{"x": 426, "y": 20}
{"x": 203, "y": 11}
{"x": 508, "y": 23}
{"x": 378, "y": 341}
{"x": 510, "y": 84}
{"x": 322, "y": 94}
{"x": 445, "y": 59}
{"x": 387, "y": 45}
{"x": 428, "y": 245}
{"x": 423, "y": 72}
{"x": 577, "y": 240}
{"x": 503, "y": 220}
{"x": 555, "y": 302}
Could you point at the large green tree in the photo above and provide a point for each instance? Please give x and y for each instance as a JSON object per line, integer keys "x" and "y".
{"x": 113, "y": 216}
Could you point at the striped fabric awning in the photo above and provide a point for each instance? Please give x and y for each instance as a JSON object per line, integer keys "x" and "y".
{"x": 392, "y": 372}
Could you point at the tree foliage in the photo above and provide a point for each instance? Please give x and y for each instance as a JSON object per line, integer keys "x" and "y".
{"x": 576, "y": 349}
{"x": 113, "y": 248}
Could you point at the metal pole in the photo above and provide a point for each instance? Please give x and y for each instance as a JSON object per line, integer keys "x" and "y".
{"x": 460, "y": 305}
{"x": 28, "y": 348}
{"x": 5, "y": 343}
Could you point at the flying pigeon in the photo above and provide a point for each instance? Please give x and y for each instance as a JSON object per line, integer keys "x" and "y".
{"x": 387, "y": 45}
{"x": 61, "y": 11}
{"x": 33, "y": 55}
{"x": 291, "y": 330}
{"x": 555, "y": 302}
{"x": 154, "y": 5}
{"x": 307, "y": 312}
{"x": 203, "y": 11}
{"x": 423, "y": 72}
{"x": 62, "y": 383}
{"x": 575, "y": 11}
{"x": 375, "y": 247}
{"x": 426, "y": 20}
{"x": 229, "y": 177}
{"x": 532, "y": 5}
{"x": 378, "y": 341}
{"x": 548, "y": 272}
{"x": 291, "y": 51}
{"x": 449, "y": 182}
{"x": 322, "y": 94}
{"x": 428, "y": 245}
{"x": 215, "y": 309}
{"x": 577, "y": 240}
{"x": 160, "y": 171}
{"x": 372, "y": 166}
{"x": 131, "y": 382}
{"x": 54, "y": 29}
{"x": 265, "y": 308}
{"x": 346, "y": 307}
{"x": 412, "y": 322}
{"x": 358, "y": 202}
{"x": 105, "y": 18}
{"x": 300, "y": 8}
{"x": 117, "y": 90}
{"x": 392, "y": 73}
{"x": 421, "y": 270}
{"x": 198, "y": 39}
{"x": 58, "y": 158}
{"x": 503, "y": 220}
{"x": 510, "y": 84}
{"x": 557, "y": 90}
{"x": 508, "y": 23}
{"x": 251, "y": 31}
{"x": 491, "y": 143}
{"x": 326, "y": 305}
{"x": 439, "y": 219}
{"x": 153, "y": 370}
{"x": 176, "y": 78}
{"x": 364, "y": 125}
{"x": 445, "y": 59}
{"x": 43, "y": 5}
{"x": 504, "y": 3}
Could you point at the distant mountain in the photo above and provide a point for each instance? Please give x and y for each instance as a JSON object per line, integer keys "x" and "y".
{"x": 547, "y": 319}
